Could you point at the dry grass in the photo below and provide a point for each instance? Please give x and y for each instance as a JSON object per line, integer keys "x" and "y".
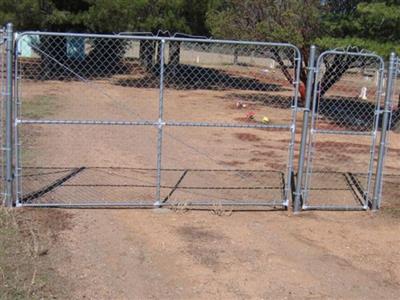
{"x": 40, "y": 107}
{"x": 25, "y": 264}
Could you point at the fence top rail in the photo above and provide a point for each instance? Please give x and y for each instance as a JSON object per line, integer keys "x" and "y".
{"x": 125, "y": 36}
{"x": 343, "y": 52}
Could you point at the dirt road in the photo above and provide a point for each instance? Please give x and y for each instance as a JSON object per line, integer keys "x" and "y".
{"x": 130, "y": 254}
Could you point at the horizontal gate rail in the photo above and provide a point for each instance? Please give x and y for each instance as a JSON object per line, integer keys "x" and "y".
{"x": 156, "y": 38}
{"x": 246, "y": 205}
{"x": 336, "y": 132}
{"x": 150, "y": 123}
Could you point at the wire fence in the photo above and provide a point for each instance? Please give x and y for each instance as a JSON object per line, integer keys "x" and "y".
{"x": 391, "y": 179}
{"x": 2, "y": 110}
{"x": 148, "y": 121}
{"x": 341, "y": 150}
{"x": 135, "y": 120}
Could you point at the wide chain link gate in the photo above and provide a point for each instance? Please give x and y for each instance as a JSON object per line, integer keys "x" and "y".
{"x": 139, "y": 121}
{"x": 134, "y": 120}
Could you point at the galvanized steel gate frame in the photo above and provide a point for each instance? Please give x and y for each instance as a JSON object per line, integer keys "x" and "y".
{"x": 314, "y": 132}
{"x": 372, "y": 192}
{"x": 389, "y": 123}
{"x": 160, "y": 124}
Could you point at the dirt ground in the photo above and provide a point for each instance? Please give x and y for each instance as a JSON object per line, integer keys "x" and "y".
{"x": 153, "y": 254}
{"x": 145, "y": 254}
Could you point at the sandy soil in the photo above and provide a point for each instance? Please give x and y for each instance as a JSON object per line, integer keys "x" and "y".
{"x": 125, "y": 254}
{"x": 128, "y": 254}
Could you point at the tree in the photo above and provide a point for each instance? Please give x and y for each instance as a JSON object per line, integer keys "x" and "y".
{"x": 148, "y": 16}
{"x": 350, "y": 24}
{"x": 372, "y": 25}
{"x": 46, "y": 15}
{"x": 24, "y": 14}
{"x": 296, "y": 22}
{"x": 107, "y": 16}
{"x": 341, "y": 7}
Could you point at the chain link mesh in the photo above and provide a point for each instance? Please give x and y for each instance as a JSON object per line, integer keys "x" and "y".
{"x": 232, "y": 84}
{"x": 344, "y": 128}
{"x": 2, "y": 109}
{"x": 141, "y": 121}
{"x": 167, "y": 120}
{"x": 391, "y": 178}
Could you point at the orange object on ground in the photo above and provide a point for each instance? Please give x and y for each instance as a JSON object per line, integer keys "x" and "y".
{"x": 250, "y": 115}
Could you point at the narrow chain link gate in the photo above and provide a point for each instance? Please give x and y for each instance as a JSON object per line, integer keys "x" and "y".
{"x": 346, "y": 109}
{"x": 139, "y": 121}
{"x": 6, "y": 114}
{"x": 2, "y": 102}
{"x": 388, "y": 188}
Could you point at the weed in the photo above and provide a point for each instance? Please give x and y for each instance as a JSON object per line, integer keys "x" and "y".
{"x": 25, "y": 271}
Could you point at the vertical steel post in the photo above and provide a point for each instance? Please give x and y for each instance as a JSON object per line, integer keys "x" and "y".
{"x": 376, "y": 202}
{"x": 8, "y": 129}
{"x": 17, "y": 144}
{"x": 161, "y": 125}
{"x": 367, "y": 193}
{"x": 295, "y": 105}
{"x": 304, "y": 134}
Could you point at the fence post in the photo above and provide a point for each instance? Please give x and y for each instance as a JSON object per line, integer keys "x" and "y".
{"x": 304, "y": 133}
{"x": 376, "y": 201}
{"x": 8, "y": 130}
{"x": 161, "y": 125}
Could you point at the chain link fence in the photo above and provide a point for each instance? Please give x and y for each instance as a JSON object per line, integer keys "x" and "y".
{"x": 2, "y": 110}
{"x": 147, "y": 121}
{"x": 391, "y": 178}
{"x": 342, "y": 145}
{"x": 135, "y": 120}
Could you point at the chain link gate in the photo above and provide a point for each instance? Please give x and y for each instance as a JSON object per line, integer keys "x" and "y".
{"x": 139, "y": 121}
{"x": 388, "y": 190}
{"x": 2, "y": 101}
{"x": 345, "y": 115}
{"x": 148, "y": 121}
{"x": 6, "y": 114}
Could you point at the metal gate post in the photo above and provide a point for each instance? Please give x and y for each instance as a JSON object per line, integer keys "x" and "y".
{"x": 161, "y": 125}
{"x": 304, "y": 133}
{"x": 8, "y": 130}
{"x": 376, "y": 202}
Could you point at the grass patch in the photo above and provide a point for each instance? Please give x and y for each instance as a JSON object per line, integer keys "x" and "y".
{"x": 39, "y": 107}
{"x": 25, "y": 263}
